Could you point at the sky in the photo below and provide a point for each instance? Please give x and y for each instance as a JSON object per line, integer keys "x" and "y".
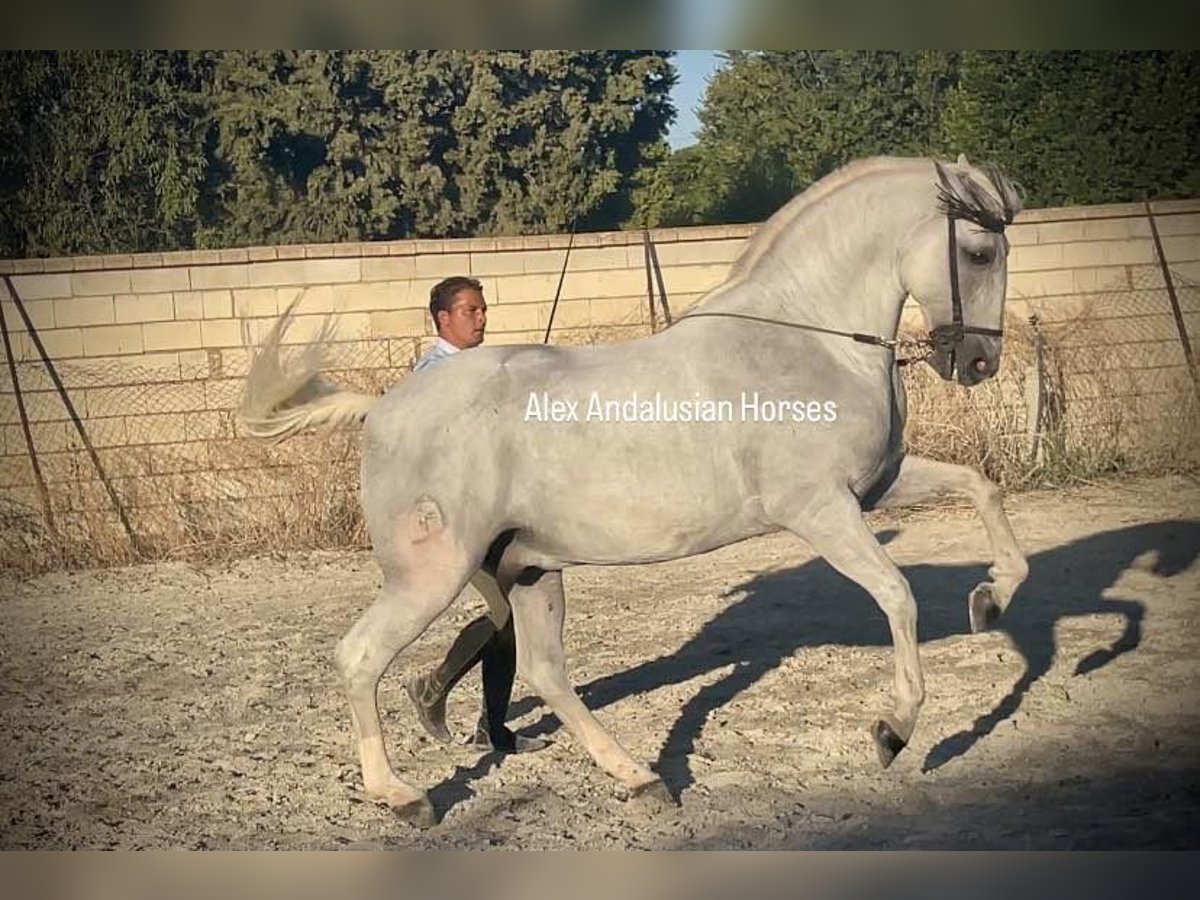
{"x": 694, "y": 67}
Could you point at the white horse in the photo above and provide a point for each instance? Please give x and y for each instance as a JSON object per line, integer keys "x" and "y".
{"x": 794, "y": 415}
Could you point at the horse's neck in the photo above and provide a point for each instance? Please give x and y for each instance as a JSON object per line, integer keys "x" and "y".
{"x": 832, "y": 265}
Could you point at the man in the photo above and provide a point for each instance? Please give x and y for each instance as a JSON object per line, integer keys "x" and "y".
{"x": 460, "y": 315}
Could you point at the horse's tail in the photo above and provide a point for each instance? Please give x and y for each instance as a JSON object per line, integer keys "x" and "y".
{"x": 282, "y": 398}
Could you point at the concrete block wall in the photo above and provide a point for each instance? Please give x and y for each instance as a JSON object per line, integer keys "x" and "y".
{"x": 1093, "y": 278}
{"x": 152, "y": 347}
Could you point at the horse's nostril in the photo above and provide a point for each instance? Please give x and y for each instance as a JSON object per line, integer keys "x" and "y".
{"x": 981, "y": 365}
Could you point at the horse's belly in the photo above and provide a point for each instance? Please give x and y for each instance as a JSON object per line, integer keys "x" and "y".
{"x": 597, "y": 527}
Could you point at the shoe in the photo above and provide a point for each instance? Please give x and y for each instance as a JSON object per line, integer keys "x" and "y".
{"x": 511, "y": 743}
{"x": 430, "y": 701}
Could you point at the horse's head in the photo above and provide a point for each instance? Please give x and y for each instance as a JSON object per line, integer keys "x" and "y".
{"x": 955, "y": 265}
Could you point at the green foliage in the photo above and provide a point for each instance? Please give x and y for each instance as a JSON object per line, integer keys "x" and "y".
{"x": 511, "y": 143}
{"x": 775, "y": 121}
{"x": 1081, "y": 127}
{"x": 98, "y": 152}
{"x": 108, "y": 152}
{"x": 671, "y": 189}
{"x": 1072, "y": 127}
{"x": 135, "y": 151}
{"x": 295, "y": 141}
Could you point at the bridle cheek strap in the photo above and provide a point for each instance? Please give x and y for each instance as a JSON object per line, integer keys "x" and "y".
{"x": 947, "y": 337}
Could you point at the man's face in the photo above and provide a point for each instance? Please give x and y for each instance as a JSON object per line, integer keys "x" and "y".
{"x": 464, "y": 325}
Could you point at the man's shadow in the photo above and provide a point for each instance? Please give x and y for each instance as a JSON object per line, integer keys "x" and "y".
{"x": 811, "y": 605}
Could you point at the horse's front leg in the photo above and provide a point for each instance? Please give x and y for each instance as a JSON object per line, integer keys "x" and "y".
{"x": 833, "y": 525}
{"x": 921, "y": 480}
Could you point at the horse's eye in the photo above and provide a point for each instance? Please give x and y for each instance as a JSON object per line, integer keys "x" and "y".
{"x": 980, "y": 257}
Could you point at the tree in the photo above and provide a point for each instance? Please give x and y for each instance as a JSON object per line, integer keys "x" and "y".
{"x": 671, "y": 190}
{"x": 774, "y": 122}
{"x": 509, "y": 143}
{"x": 108, "y": 152}
{"x": 295, "y": 141}
{"x": 1081, "y": 127}
{"x": 99, "y": 152}
{"x": 1072, "y": 127}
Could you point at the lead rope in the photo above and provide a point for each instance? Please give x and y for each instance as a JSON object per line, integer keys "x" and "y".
{"x": 892, "y": 344}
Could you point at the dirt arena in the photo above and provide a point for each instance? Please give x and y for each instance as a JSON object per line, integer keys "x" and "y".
{"x": 183, "y": 707}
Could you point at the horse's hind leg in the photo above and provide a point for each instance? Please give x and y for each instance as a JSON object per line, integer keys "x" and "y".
{"x": 402, "y": 612}
{"x": 835, "y": 529}
{"x": 538, "y": 607}
{"x": 425, "y": 575}
{"x": 921, "y": 480}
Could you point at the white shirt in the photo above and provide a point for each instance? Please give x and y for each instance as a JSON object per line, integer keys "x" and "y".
{"x": 440, "y": 350}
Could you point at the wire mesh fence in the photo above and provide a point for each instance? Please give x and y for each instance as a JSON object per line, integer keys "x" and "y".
{"x": 167, "y": 443}
{"x": 1102, "y": 390}
{"x": 1097, "y": 390}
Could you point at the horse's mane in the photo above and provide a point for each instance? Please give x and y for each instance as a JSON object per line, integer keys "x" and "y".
{"x": 991, "y": 204}
{"x": 963, "y": 197}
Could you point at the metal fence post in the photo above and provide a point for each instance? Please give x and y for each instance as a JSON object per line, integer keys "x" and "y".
{"x": 1035, "y": 398}
{"x": 38, "y": 479}
{"x": 1175, "y": 309}
{"x": 66, "y": 399}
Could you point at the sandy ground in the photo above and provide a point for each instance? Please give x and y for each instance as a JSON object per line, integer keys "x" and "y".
{"x": 174, "y": 706}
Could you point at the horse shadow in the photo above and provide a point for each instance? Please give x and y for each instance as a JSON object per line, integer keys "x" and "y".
{"x": 811, "y": 605}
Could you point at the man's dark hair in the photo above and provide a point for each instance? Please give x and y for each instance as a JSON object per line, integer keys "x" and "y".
{"x": 441, "y": 297}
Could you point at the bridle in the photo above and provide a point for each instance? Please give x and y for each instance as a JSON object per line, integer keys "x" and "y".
{"x": 946, "y": 338}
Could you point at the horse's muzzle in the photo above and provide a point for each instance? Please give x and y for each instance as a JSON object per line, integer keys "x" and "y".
{"x": 973, "y": 359}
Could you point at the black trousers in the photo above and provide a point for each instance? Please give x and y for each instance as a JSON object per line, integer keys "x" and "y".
{"x": 481, "y": 642}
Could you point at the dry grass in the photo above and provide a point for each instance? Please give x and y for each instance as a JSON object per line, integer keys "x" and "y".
{"x": 1093, "y": 421}
{"x": 304, "y": 494}
{"x": 259, "y": 506}
{"x": 982, "y": 426}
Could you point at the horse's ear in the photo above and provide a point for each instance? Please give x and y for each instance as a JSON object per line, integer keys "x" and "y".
{"x": 962, "y": 159}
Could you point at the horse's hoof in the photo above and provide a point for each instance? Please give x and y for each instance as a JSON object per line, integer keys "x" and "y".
{"x": 654, "y": 793}
{"x": 887, "y": 742}
{"x": 983, "y": 608}
{"x": 417, "y": 812}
